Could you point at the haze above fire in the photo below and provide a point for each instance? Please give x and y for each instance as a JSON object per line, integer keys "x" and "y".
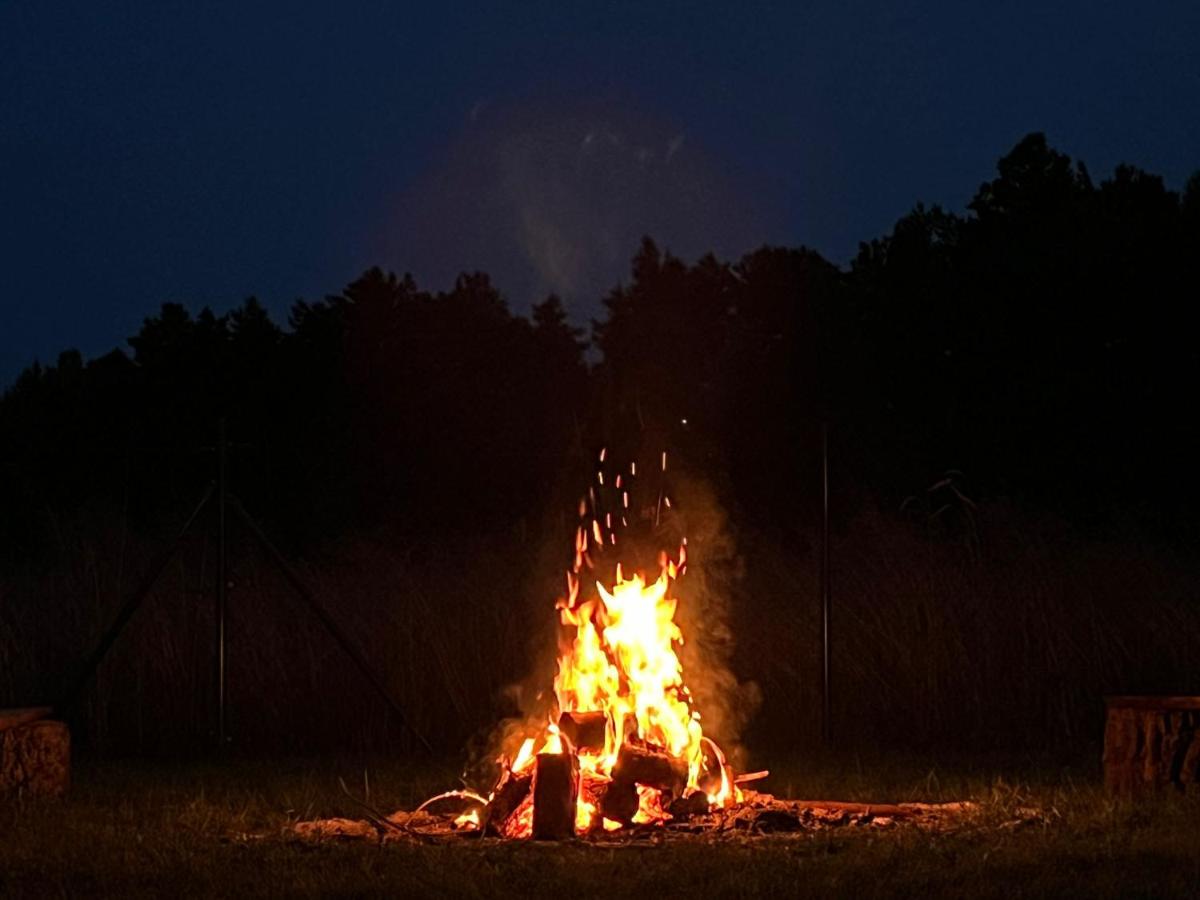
{"x": 552, "y": 195}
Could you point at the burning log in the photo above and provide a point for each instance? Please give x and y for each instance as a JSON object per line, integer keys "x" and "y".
{"x": 555, "y": 793}
{"x": 585, "y": 729}
{"x": 1151, "y": 742}
{"x": 651, "y": 768}
{"x": 619, "y": 802}
{"x": 509, "y": 795}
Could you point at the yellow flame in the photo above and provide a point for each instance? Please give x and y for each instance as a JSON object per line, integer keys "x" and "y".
{"x": 468, "y": 821}
{"x": 585, "y": 814}
{"x": 524, "y": 756}
{"x": 621, "y": 661}
{"x": 619, "y": 658}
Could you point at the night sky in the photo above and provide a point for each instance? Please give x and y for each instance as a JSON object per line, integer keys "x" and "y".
{"x": 205, "y": 152}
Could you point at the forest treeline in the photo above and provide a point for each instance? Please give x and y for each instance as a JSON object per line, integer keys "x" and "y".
{"x": 1009, "y": 395}
{"x": 1043, "y": 344}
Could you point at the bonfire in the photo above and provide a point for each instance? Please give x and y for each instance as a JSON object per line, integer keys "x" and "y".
{"x": 624, "y": 743}
{"x": 622, "y": 749}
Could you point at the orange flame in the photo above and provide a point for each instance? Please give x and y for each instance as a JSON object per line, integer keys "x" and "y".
{"x": 619, "y": 658}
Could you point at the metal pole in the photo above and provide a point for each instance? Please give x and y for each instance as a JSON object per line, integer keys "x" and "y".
{"x": 129, "y": 608}
{"x": 222, "y": 580}
{"x": 327, "y": 620}
{"x": 826, "y": 702}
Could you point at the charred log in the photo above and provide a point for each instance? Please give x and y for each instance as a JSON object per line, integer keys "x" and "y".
{"x": 555, "y": 794}
{"x": 651, "y": 768}
{"x": 619, "y": 802}
{"x": 509, "y": 795}
{"x": 683, "y": 808}
{"x": 585, "y": 729}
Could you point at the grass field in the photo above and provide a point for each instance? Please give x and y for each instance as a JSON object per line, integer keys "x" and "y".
{"x": 131, "y": 829}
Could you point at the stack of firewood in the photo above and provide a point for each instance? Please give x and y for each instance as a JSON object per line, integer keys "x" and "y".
{"x": 554, "y": 780}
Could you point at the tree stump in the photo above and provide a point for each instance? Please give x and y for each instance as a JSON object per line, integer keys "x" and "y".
{"x": 1150, "y": 743}
{"x": 35, "y": 753}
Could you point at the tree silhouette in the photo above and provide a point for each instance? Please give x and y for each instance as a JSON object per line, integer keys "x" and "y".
{"x": 1042, "y": 342}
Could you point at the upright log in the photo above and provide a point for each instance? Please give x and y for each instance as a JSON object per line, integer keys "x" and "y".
{"x": 35, "y": 753}
{"x": 555, "y": 794}
{"x": 1150, "y": 743}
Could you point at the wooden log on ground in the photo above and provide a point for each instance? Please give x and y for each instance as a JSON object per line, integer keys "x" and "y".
{"x": 891, "y": 810}
{"x": 651, "y": 768}
{"x": 1151, "y": 743}
{"x": 555, "y": 794}
{"x": 509, "y": 795}
{"x": 35, "y": 753}
{"x": 585, "y": 729}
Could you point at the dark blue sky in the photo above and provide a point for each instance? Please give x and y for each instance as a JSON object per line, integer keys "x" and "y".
{"x": 204, "y": 152}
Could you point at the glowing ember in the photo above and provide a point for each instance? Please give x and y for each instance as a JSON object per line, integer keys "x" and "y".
{"x": 468, "y": 821}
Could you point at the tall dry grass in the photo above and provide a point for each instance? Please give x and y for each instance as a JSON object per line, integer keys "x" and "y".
{"x": 1007, "y": 638}
{"x": 1006, "y": 641}
{"x": 446, "y": 632}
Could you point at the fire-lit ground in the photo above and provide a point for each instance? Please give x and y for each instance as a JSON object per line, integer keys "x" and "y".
{"x": 134, "y": 829}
